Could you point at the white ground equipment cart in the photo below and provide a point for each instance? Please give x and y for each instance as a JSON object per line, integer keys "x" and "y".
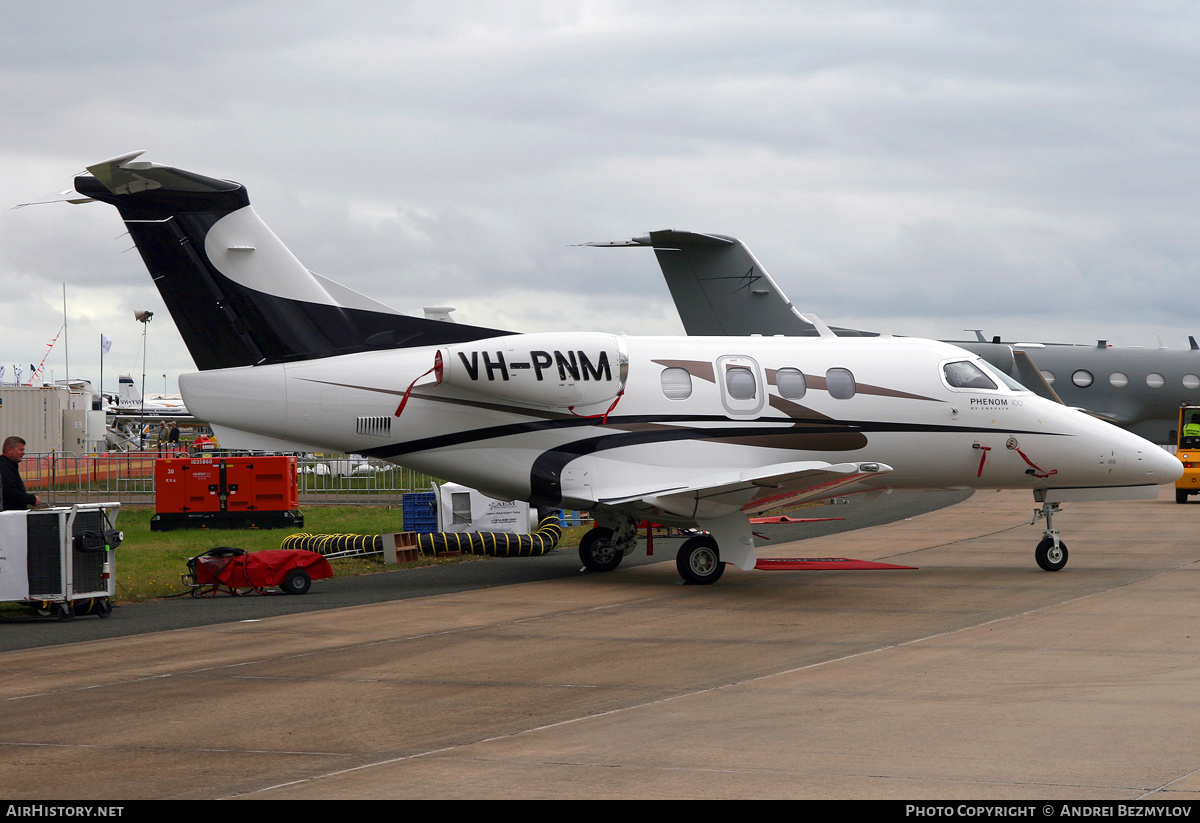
{"x": 60, "y": 561}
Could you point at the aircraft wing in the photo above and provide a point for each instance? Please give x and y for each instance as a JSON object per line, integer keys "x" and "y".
{"x": 749, "y": 492}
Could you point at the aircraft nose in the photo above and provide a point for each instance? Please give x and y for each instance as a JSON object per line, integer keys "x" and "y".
{"x": 1139, "y": 461}
{"x": 1162, "y": 466}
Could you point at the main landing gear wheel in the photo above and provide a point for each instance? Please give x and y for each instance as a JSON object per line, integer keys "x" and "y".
{"x": 1051, "y": 557}
{"x": 699, "y": 560}
{"x": 598, "y": 551}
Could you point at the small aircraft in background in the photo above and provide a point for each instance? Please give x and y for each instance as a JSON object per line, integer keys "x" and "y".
{"x": 720, "y": 288}
{"x": 701, "y": 432}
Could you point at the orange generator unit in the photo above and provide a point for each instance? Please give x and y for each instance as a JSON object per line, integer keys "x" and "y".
{"x": 226, "y": 493}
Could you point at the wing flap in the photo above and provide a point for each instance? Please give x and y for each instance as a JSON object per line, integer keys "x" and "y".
{"x": 751, "y": 492}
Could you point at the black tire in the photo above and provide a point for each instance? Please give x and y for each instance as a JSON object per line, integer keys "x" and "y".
{"x": 598, "y": 552}
{"x": 296, "y": 581}
{"x": 1049, "y": 558}
{"x": 699, "y": 560}
{"x": 1181, "y": 495}
{"x": 103, "y": 607}
{"x": 64, "y": 612}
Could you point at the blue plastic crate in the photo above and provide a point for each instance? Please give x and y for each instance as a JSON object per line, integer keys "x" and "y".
{"x": 420, "y": 511}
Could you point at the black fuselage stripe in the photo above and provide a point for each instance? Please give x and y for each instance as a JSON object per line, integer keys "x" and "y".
{"x": 765, "y": 428}
{"x": 545, "y": 474}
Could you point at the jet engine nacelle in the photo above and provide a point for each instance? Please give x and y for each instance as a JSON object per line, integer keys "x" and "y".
{"x": 554, "y": 370}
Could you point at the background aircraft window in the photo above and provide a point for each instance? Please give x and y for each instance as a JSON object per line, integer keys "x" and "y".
{"x": 1049, "y": 375}
{"x": 1191, "y": 381}
{"x": 1118, "y": 379}
{"x": 1155, "y": 380}
{"x": 966, "y": 375}
{"x": 840, "y": 383}
{"x": 791, "y": 383}
{"x": 1082, "y": 378}
{"x": 676, "y": 384}
{"x": 739, "y": 380}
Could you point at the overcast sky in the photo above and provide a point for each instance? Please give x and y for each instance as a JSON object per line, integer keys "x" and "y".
{"x": 1028, "y": 168}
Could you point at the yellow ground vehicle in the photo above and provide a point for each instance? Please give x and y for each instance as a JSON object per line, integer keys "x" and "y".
{"x": 1187, "y": 449}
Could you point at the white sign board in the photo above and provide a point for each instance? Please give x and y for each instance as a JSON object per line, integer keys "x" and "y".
{"x": 461, "y": 509}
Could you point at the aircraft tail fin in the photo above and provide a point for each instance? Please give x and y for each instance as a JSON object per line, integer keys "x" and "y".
{"x": 237, "y": 294}
{"x": 1030, "y": 377}
{"x": 126, "y": 394}
{"x": 720, "y": 288}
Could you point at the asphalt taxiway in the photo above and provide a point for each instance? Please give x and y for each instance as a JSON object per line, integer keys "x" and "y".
{"x": 402, "y": 583}
{"x": 975, "y": 676}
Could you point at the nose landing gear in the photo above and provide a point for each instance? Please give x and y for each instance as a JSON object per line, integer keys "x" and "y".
{"x": 1051, "y": 553}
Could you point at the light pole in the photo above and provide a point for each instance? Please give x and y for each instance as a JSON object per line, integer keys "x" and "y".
{"x": 144, "y": 318}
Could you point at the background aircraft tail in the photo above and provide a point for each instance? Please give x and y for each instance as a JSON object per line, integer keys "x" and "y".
{"x": 720, "y": 288}
{"x": 126, "y": 395}
{"x": 238, "y": 296}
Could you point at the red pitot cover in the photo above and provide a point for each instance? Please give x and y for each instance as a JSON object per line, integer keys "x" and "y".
{"x": 260, "y": 569}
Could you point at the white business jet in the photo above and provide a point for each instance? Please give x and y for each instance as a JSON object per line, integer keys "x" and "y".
{"x": 702, "y": 432}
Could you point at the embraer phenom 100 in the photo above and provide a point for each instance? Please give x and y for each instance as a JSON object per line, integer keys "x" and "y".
{"x": 691, "y": 431}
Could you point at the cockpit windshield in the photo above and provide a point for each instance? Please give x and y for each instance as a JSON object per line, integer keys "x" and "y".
{"x": 963, "y": 374}
{"x": 978, "y": 374}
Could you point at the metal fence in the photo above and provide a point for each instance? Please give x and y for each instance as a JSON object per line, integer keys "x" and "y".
{"x": 61, "y": 478}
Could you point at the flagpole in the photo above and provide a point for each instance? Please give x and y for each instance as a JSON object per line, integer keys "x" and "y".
{"x": 105, "y": 345}
{"x": 66, "y": 341}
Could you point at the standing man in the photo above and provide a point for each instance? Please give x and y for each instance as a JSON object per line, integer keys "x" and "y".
{"x": 14, "y": 495}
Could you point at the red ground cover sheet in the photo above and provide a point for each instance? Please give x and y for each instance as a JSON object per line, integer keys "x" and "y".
{"x": 822, "y": 564}
{"x": 260, "y": 569}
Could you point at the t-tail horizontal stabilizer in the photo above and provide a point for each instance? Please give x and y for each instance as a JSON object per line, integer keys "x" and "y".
{"x": 237, "y": 294}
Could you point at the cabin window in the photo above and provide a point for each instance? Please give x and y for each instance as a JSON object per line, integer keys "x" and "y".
{"x": 676, "y": 383}
{"x": 1082, "y": 378}
{"x": 739, "y": 381}
{"x": 1049, "y": 376}
{"x": 840, "y": 383}
{"x": 790, "y": 383}
{"x": 1191, "y": 381}
{"x": 963, "y": 374}
{"x": 1118, "y": 380}
{"x": 1155, "y": 380}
